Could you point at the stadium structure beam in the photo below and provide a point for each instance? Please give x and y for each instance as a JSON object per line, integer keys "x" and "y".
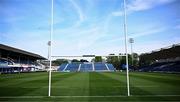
{"x": 50, "y": 51}
{"x": 126, "y": 48}
{"x": 91, "y": 56}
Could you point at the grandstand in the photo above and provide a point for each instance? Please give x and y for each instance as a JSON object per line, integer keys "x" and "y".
{"x": 163, "y": 60}
{"x": 15, "y": 60}
{"x": 173, "y": 66}
{"x": 86, "y": 67}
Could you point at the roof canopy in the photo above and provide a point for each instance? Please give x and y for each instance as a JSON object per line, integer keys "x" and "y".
{"x": 163, "y": 53}
{"x": 11, "y": 51}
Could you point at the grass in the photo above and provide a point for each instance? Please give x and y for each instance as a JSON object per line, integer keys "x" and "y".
{"x": 90, "y": 87}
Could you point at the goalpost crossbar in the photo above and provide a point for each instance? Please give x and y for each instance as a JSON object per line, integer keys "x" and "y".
{"x": 91, "y": 56}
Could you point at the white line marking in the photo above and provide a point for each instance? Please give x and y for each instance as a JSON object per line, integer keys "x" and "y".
{"x": 139, "y": 86}
{"x": 86, "y": 96}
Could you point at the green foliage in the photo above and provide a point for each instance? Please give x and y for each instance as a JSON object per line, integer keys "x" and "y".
{"x": 119, "y": 61}
{"x": 83, "y": 60}
{"x": 58, "y": 62}
{"x": 98, "y": 59}
{"x": 75, "y": 60}
{"x": 113, "y": 60}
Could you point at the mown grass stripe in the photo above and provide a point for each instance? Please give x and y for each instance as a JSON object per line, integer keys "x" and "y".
{"x": 90, "y": 87}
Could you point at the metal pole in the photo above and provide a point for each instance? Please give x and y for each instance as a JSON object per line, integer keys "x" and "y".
{"x": 132, "y": 53}
{"x": 126, "y": 48}
{"x": 131, "y": 41}
{"x": 50, "y": 51}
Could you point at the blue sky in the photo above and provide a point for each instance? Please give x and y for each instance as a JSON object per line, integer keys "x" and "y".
{"x": 89, "y": 26}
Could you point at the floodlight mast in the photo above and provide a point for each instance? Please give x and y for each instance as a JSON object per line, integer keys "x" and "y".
{"x": 131, "y": 41}
{"x": 126, "y": 48}
{"x": 50, "y": 51}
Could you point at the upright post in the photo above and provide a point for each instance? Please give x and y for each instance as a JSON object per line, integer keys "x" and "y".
{"x": 50, "y": 51}
{"x": 126, "y": 48}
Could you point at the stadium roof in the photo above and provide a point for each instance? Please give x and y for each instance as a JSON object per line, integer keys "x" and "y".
{"x": 163, "y": 53}
{"x": 8, "y": 49}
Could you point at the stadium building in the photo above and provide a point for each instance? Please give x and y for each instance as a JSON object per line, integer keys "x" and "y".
{"x": 163, "y": 60}
{"x": 16, "y": 60}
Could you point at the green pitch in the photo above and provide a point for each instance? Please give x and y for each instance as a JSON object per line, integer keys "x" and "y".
{"x": 90, "y": 87}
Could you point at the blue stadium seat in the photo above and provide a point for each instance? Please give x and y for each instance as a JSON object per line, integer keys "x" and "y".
{"x": 62, "y": 66}
{"x": 73, "y": 67}
{"x": 86, "y": 67}
{"x": 162, "y": 67}
{"x": 100, "y": 66}
{"x": 111, "y": 67}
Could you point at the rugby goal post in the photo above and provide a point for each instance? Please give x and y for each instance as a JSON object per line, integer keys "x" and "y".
{"x": 125, "y": 40}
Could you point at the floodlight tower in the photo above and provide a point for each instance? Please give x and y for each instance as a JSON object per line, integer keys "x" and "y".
{"x": 49, "y": 44}
{"x": 131, "y": 41}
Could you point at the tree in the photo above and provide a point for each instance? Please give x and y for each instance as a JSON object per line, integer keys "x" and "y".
{"x": 82, "y": 60}
{"x": 132, "y": 64}
{"x": 113, "y": 60}
{"x": 122, "y": 62}
{"x": 135, "y": 61}
{"x": 75, "y": 60}
{"x": 58, "y": 62}
{"x": 119, "y": 62}
{"x": 93, "y": 60}
{"x": 98, "y": 59}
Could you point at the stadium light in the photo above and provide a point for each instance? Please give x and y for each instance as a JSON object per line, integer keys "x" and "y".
{"x": 50, "y": 43}
{"x": 131, "y": 41}
{"x": 126, "y": 49}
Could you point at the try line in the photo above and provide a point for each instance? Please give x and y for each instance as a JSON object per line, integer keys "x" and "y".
{"x": 87, "y": 96}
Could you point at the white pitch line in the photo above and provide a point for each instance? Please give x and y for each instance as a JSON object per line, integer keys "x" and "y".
{"x": 138, "y": 86}
{"x": 86, "y": 96}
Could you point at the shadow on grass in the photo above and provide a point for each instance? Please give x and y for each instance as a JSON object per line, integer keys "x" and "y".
{"x": 111, "y": 84}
